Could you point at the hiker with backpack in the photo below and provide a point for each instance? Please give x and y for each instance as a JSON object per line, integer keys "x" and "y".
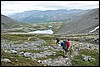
{"x": 65, "y": 46}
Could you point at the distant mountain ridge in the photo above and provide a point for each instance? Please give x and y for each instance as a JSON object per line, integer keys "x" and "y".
{"x": 38, "y": 16}
{"x": 85, "y": 22}
{"x": 82, "y": 24}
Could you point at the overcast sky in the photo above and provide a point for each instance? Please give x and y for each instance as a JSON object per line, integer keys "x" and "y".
{"x": 12, "y": 7}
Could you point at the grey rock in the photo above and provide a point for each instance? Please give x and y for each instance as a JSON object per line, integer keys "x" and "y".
{"x": 88, "y": 58}
{"x": 21, "y": 53}
{"x": 5, "y": 60}
{"x": 39, "y": 61}
{"x": 7, "y": 51}
{"x": 14, "y": 52}
{"x": 27, "y": 54}
{"x": 85, "y": 58}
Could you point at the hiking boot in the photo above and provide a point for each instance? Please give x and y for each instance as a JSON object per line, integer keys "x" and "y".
{"x": 64, "y": 56}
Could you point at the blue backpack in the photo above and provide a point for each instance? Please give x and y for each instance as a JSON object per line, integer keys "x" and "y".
{"x": 63, "y": 44}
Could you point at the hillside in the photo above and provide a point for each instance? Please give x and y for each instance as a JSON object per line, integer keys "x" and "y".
{"x": 7, "y": 22}
{"x": 11, "y": 25}
{"x": 38, "y": 16}
{"x": 82, "y": 24}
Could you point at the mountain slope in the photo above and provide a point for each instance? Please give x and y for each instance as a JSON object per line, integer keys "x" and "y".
{"x": 37, "y": 16}
{"x": 7, "y": 22}
{"x": 82, "y": 24}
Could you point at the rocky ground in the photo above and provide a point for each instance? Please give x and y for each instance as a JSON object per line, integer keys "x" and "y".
{"x": 37, "y": 51}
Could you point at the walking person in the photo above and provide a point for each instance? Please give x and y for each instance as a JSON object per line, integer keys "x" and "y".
{"x": 63, "y": 44}
{"x": 67, "y": 46}
{"x": 57, "y": 40}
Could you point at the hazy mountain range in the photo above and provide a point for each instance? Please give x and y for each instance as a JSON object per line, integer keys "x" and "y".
{"x": 38, "y": 16}
{"x": 83, "y": 23}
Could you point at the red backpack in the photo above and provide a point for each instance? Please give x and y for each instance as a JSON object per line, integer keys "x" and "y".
{"x": 67, "y": 44}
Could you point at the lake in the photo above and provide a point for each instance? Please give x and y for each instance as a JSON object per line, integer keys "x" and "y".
{"x": 42, "y": 32}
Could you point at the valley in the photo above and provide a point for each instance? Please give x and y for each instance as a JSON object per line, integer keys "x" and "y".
{"x": 19, "y": 47}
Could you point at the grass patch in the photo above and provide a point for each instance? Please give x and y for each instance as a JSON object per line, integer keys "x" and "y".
{"x": 18, "y": 39}
{"x": 20, "y": 30}
{"x": 32, "y": 51}
{"x": 78, "y": 60}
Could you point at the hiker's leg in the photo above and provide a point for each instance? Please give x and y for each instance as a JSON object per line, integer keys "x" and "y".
{"x": 67, "y": 51}
{"x": 64, "y": 52}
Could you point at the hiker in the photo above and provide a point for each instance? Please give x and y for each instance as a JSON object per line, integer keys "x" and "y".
{"x": 67, "y": 44}
{"x": 63, "y": 44}
{"x": 57, "y": 40}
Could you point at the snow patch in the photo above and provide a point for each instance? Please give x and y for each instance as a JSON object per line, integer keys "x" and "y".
{"x": 94, "y": 29}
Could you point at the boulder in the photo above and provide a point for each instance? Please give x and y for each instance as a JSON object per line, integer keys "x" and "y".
{"x": 5, "y": 60}
{"x": 39, "y": 61}
{"x": 27, "y": 54}
{"x": 21, "y": 53}
{"x": 14, "y": 52}
{"x": 88, "y": 58}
